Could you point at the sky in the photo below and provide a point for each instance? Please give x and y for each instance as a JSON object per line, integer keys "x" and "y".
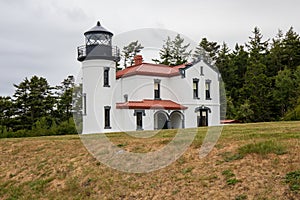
{"x": 41, "y": 37}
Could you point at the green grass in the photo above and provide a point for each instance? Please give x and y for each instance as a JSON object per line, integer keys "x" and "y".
{"x": 263, "y": 148}
{"x": 229, "y": 156}
{"x": 228, "y": 173}
{"x": 293, "y": 179}
{"x": 230, "y": 177}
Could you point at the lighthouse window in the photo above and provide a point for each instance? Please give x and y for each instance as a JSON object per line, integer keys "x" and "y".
{"x": 106, "y": 77}
{"x": 107, "y": 117}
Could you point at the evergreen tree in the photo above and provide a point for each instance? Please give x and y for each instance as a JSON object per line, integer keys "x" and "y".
{"x": 33, "y": 100}
{"x": 212, "y": 48}
{"x": 129, "y": 51}
{"x": 285, "y": 91}
{"x": 64, "y": 104}
{"x": 275, "y": 58}
{"x": 174, "y": 52}
{"x": 6, "y": 113}
{"x": 257, "y": 86}
{"x": 291, "y": 49}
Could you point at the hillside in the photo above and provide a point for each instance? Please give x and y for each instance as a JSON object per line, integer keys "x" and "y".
{"x": 60, "y": 167}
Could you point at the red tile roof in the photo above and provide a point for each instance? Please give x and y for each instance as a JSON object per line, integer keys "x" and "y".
{"x": 149, "y": 69}
{"x": 151, "y": 104}
{"x": 229, "y": 121}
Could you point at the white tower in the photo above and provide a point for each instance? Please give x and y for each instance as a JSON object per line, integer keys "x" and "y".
{"x": 98, "y": 58}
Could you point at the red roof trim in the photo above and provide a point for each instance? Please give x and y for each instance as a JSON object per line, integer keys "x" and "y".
{"x": 149, "y": 69}
{"x": 151, "y": 104}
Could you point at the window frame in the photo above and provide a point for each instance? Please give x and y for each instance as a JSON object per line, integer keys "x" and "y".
{"x": 208, "y": 89}
{"x": 106, "y": 77}
{"x": 196, "y": 90}
{"x": 157, "y": 91}
{"x": 107, "y": 117}
{"x": 84, "y": 104}
{"x": 201, "y": 71}
{"x": 139, "y": 119}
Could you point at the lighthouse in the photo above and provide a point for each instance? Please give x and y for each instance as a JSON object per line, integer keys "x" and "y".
{"x": 98, "y": 58}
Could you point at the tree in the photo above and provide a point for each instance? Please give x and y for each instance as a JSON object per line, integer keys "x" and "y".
{"x": 222, "y": 62}
{"x": 64, "y": 103}
{"x": 275, "y": 59}
{"x": 285, "y": 91}
{"x": 212, "y": 48}
{"x": 291, "y": 49}
{"x": 33, "y": 99}
{"x": 257, "y": 86}
{"x": 6, "y": 113}
{"x": 174, "y": 52}
{"x": 129, "y": 51}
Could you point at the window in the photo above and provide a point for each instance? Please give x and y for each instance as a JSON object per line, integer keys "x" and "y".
{"x": 139, "y": 119}
{"x": 106, "y": 77}
{"x": 201, "y": 71}
{"x": 126, "y": 97}
{"x": 157, "y": 89}
{"x": 84, "y": 104}
{"x": 207, "y": 89}
{"x": 182, "y": 72}
{"x": 107, "y": 117}
{"x": 195, "y": 88}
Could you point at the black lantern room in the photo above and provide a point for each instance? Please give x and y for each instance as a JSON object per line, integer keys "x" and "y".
{"x": 98, "y": 45}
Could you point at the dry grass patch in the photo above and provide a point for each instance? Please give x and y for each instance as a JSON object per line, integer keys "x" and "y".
{"x": 60, "y": 167}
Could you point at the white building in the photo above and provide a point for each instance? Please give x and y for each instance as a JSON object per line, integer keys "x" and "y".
{"x": 144, "y": 96}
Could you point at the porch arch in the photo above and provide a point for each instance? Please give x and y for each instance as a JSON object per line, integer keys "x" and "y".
{"x": 161, "y": 120}
{"x": 176, "y": 120}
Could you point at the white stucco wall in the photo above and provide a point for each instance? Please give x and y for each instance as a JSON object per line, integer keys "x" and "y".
{"x": 97, "y": 96}
{"x": 139, "y": 87}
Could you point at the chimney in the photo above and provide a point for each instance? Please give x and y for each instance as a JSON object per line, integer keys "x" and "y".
{"x": 138, "y": 59}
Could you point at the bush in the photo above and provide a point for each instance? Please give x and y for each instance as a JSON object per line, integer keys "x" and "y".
{"x": 66, "y": 127}
{"x": 42, "y": 127}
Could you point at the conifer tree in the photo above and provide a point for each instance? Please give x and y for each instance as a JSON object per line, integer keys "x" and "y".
{"x": 174, "y": 52}
{"x": 129, "y": 51}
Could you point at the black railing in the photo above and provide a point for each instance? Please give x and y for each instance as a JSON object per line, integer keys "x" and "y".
{"x": 98, "y": 51}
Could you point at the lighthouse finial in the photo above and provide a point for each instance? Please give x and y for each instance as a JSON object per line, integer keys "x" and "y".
{"x": 98, "y": 23}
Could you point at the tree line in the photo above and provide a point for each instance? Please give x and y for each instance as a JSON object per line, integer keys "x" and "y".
{"x": 36, "y": 108}
{"x": 262, "y": 78}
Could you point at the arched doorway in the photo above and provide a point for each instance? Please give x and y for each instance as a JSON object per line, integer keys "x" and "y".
{"x": 176, "y": 120}
{"x": 161, "y": 120}
{"x": 202, "y": 115}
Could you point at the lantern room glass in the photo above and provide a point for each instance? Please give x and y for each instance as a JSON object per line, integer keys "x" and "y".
{"x": 98, "y": 39}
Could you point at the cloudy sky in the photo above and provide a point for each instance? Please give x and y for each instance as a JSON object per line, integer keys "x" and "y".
{"x": 40, "y": 37}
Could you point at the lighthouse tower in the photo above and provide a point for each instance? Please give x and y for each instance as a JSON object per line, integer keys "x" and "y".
{"x": 98, "y": 58}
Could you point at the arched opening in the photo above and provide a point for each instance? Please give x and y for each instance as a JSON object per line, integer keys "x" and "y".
{"x": 202, "y": 115}
{"x": 161, "y": 120}
{"x": 176, "y": 120}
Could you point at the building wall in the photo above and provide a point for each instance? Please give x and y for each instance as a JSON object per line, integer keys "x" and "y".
{"x": 97, "y": 96}
{"x": 178, "y": 89}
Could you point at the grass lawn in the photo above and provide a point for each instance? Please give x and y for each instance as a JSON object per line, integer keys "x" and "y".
{"x": 249, "y": 161}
